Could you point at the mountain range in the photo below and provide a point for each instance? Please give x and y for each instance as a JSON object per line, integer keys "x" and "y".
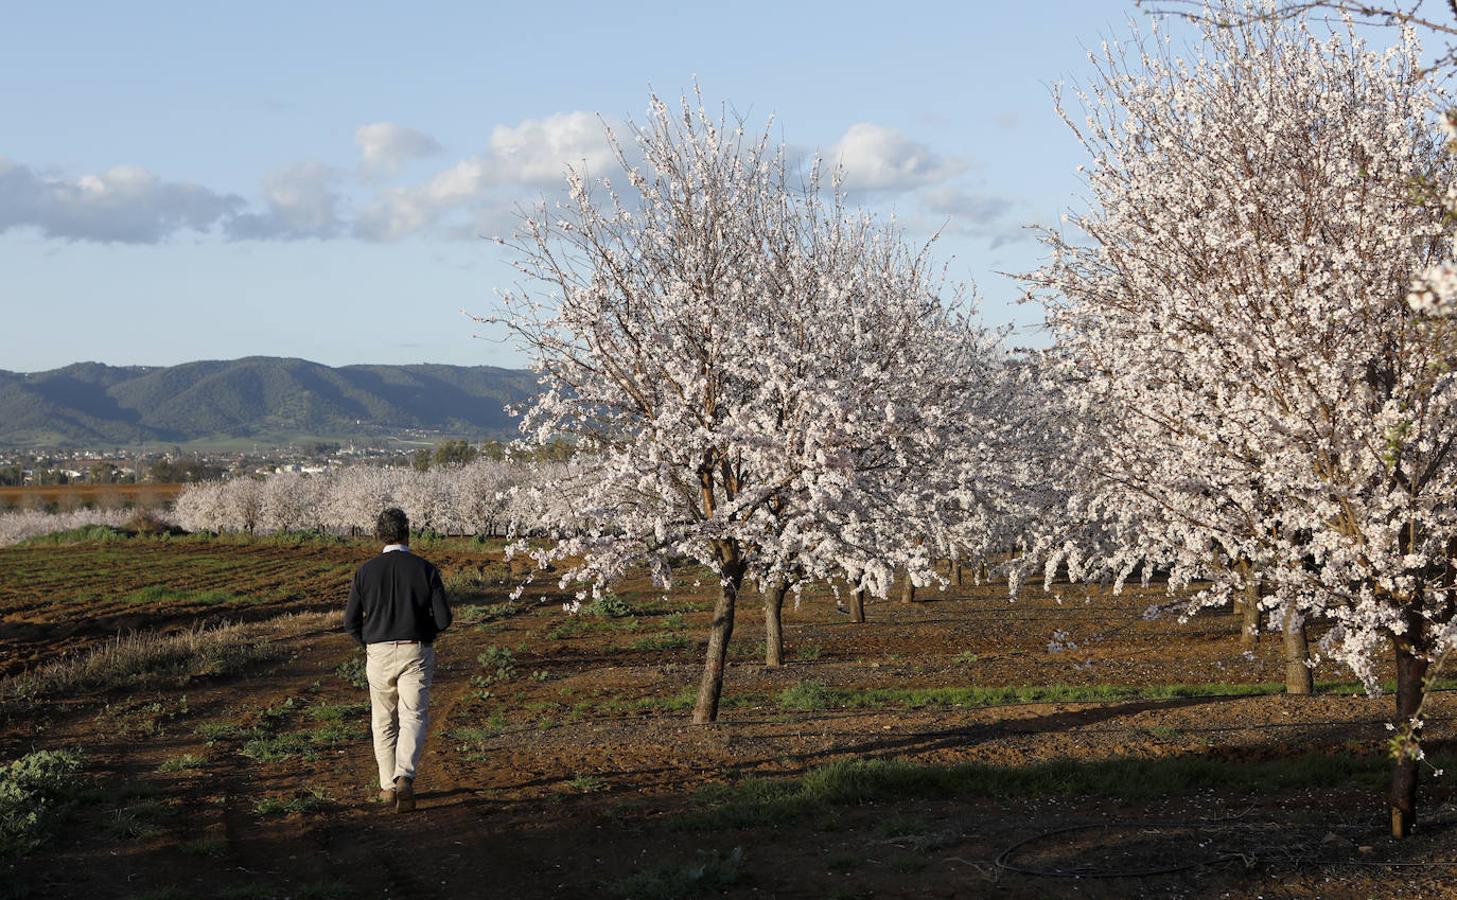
{"x": 259, "y": 399}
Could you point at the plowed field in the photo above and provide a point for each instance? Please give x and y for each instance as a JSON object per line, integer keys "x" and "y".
{"x": 947, "y": 748}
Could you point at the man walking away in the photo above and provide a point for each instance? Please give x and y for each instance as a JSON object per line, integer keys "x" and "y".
{"x": 396, "y": 607}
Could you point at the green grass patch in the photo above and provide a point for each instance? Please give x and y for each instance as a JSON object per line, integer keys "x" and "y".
{"x": 338, "y": 712}
{"x": 267, "y": 742}
{"x": 760, "y": 801}
{"x": 305, "y": 801}
{"x": 669, "y": 641}
{"x": 811, "y": 695}
{"x": 36, "y": 793}
{"x": 159, "y": 593}
{"x": 581, "y": 624}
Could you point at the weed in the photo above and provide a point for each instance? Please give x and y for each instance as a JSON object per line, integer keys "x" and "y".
{"x": 471, "y": 739}
{"x": 482, "y": 614}
{"x": 36, "y": 792}
{"x": 709, "y": 872}
{"x": 212, "y": 732}
{"x": 300, "y": 802}
{"x": 965, "y": 658}
{"x": 673, "y": 622}
{"x": 187, "y": 762}
{"x": 581, "y": 623}
{"x": 608, "y": 606}
{"x": 806, "y": 696}
{"x": 205, "y": 846}
{"x": 352, "y": 670}
{"x": 586, "y": 784}
{"x": 338, "y": 712}
{"x": 499, "y": 664}
{"x": 808, "y": 652}
{"x": 673, "y": 641}
{"x": 141, "y": 820}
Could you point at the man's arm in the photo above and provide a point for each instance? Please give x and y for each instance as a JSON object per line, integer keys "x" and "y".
{"x": 439, "y": 603}
{"x": 354, "y": 612}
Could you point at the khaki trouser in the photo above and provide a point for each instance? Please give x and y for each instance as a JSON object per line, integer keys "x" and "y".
{"x": 399, "y": 699}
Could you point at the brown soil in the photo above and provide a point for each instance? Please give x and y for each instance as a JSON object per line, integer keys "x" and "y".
{"x": 567, "y": 780}
{"x": 71, "y": 496}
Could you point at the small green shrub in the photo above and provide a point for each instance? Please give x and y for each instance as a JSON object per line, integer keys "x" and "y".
{"x": 352, "y": 670}
{"x": 498, "y": 663}
{"x": 608, "y": 606}
{"x": 36, "y": 792}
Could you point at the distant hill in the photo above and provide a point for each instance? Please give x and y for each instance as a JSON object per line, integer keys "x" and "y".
{"x": 261, "y": 399}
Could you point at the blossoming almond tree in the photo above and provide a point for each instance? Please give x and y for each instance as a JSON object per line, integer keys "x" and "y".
{"x": 759, "y": 377}
{"x": 1234, "y": 308}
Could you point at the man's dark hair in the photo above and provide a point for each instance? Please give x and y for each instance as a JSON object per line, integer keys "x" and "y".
{"x": 392, "y": 526}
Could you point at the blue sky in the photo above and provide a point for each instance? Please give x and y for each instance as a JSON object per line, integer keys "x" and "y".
{"x": 207, "y": 181}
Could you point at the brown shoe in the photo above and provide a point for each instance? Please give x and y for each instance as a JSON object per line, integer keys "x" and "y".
{"x": 404, "y": 794}
{"x": 387, "y": 796}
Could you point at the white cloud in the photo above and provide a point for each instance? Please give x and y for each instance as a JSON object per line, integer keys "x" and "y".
{"x": 875, "y": 158}
{"x": 534, "y": 154}
{"x": 538, "y": 151}
{"x": 303, "y": 202}
{"x": 385, "y": 146}
{"x": 971, "y": 213}
{"x": 124, "y": 204}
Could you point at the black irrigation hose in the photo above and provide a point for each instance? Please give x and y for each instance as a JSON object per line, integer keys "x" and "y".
{"x": 1006, "y": 866}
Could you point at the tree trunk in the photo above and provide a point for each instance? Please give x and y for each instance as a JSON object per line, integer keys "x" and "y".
{"x": 857, "y": 605}
{"x": 956, "y": 574}
{"x": 774, "y": 624}
{"x": 1249, "y": 630}
{"x": 1411, "y": 672}
{"x": 705, "y": 710}
{"x": 908, "y": 590}
{"x": 1299, "y": 679}
{"x": 1249, "y": 609}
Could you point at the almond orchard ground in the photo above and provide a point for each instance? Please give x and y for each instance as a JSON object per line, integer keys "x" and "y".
{"x": 956, "y": 747}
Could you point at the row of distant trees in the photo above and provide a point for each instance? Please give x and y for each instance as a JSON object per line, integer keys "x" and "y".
{"x": 483, "y": 497}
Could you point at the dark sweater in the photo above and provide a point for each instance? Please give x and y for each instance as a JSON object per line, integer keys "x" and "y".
{"x": 396, "y": 596}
